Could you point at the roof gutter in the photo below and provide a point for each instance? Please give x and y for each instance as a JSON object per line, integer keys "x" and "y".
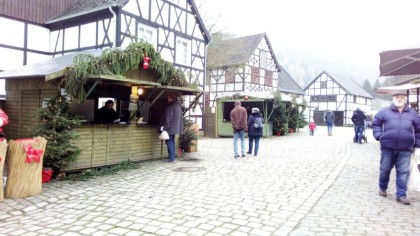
{"x": 114, "y": 21}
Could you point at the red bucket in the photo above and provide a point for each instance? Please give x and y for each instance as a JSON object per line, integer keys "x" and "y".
{"x": 46, "y": 175}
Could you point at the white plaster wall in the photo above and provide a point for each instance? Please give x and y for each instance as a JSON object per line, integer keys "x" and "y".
{"x": 71, "y": 40}
{"x": 87, "y": 35}
{"x": 38, "y": 38}
{"x": 31, "y": 58}
{"x": 12, "y": 32}
{"x": 13, "y": 59}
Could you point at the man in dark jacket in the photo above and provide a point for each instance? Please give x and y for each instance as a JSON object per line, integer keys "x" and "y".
{"x": 172, "y": 123}
{"x": 329, "y": 120}
{"x": 238, "y": 117}
{"x": 107, "y": 114}
{"x": 397, "y": 127}
{"x": 358, "y": 119}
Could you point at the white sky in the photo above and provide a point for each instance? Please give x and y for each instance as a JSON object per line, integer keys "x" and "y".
{"x": 354, "y": 31}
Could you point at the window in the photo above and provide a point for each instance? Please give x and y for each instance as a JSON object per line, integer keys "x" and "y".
{"x": 183, "y": 51}
{"x": 148, "y": 34}
{"x": 268, "y": 79}
{"x": 323, "y": 84}
{"x": 255, "y": 75}
{"x": 263, "y": 59}
{"x": 230, "y": 75}
{"x": 354, "y": 99}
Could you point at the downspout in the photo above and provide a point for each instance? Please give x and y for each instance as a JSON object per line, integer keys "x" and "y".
{"x": 114, "y": 21}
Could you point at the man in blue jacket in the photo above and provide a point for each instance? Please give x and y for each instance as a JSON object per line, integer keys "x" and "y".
{"x": 397, "y": 127}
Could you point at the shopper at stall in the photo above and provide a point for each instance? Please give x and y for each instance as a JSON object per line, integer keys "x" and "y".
{"x": 238, "y": 117}
{"x": 255, "y": 130}
{"x": 172, "y": 123}
{"x": 107, "y": 114}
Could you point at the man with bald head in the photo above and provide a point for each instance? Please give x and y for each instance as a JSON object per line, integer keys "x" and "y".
{"x": 239, "y": 117}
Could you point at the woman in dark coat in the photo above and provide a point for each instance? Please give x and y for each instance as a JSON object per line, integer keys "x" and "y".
{"x": 253, "y": 132}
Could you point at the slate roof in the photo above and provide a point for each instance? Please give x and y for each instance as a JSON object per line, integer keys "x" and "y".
{"x": 235, "y": 51}
{"x": 287, "y": 84}
{"x": 46, "y": 67}
{"x": 346, "y": 83}
{"x": 82, "y": 7}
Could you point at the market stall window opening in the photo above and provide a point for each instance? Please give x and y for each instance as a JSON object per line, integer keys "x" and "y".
{"x": 107, "y": 113}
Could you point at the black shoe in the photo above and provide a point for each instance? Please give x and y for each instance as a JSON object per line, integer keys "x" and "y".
{"x": 382, "y": 193}
{"x": 403, "y": 201}
{"x": 255, "y": 155}
{"x": 248, "y": 153}
{"x": 243, "y": 155}
{"x": 236, "y": 156}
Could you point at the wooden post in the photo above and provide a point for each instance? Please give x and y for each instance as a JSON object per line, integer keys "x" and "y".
{"x": 3, "y": 149}
{"x": 24, "y": 178}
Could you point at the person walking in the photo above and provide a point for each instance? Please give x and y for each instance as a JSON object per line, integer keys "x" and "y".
{"x": 238, "y": 117}
{"x": 358, "y": 118}
{"x": 312, "y": 127}
{"x": 255, "y": 130}
{"x": 397, "y": 128}
{"x": 172, "y": 123}
{"x": 329, "y": 120}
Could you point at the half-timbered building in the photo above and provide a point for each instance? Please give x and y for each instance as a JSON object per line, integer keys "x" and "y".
{"x": 38, "y": 30}
{"x": 336, "y": 93}
{"x": 244, "y": 67}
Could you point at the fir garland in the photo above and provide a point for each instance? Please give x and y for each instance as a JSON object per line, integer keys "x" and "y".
{"x": 118, "y": 62}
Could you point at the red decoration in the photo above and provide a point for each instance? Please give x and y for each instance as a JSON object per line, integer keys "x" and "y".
{"x": 46, "y": 175}
{"x": 246, "y": 98}
{"x": 146, "y": 62}
{"x": 33, "y": 154}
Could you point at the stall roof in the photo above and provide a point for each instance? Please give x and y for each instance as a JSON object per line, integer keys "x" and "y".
{"x": 49, "y": 69}
{"x": 399, "y": 88}
{"x": 262, "y": 95}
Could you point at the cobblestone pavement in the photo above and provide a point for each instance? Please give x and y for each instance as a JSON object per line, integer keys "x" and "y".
{"x": 298, "y": 185}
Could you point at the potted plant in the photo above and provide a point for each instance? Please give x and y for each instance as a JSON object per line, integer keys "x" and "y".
{"x": 56, "y": 126}
{"x": 188, "y": 140}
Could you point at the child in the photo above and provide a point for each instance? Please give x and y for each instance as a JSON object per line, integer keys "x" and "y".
{"x": 312, "y": 127}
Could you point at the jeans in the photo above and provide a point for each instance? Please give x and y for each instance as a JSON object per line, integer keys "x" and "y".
{"x": 170, "y": 144}
{"x": 251, "y": 142}
{"x": 358, "y": 132}
{"x": 311, "y": 132}
{"x": 401, "y": 160}
{"x": 239, "y": 135}
{"x": 329, "y": 128}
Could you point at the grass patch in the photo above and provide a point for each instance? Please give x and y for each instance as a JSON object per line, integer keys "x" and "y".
{"x": 88, "y": 174}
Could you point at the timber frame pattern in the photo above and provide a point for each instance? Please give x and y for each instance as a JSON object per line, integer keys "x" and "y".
{"x": 79, "y": 25}
{"x": 257, "y": 74}
{"x": 169, "y": 20}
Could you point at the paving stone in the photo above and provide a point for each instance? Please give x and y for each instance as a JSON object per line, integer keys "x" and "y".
{"x": 299, "y": 185}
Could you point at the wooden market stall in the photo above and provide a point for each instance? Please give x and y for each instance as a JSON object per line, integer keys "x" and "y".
{"x": 136, "y": 92}
{"x": 226, "y": 103}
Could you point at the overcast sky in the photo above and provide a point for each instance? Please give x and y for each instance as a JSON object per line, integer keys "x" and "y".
{"x": 352, "y": 31}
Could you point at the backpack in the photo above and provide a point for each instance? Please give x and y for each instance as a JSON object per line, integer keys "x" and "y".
{"x": 258, "y": 123}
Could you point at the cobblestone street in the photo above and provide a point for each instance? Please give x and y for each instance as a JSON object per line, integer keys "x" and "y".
{"x": 297, "y": 185}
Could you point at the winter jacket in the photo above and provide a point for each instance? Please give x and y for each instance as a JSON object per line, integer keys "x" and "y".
{"x": 329, "y": 118}
{"x": 238, "y": 117}
{"x": 252, "y": 131}
{"x": 358, "y": 117}
{"x": 4, "y": 120}
{"x": 172, "y": 120}
{"x": 312, "y": 126}
{"x": 397, "y": 130}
